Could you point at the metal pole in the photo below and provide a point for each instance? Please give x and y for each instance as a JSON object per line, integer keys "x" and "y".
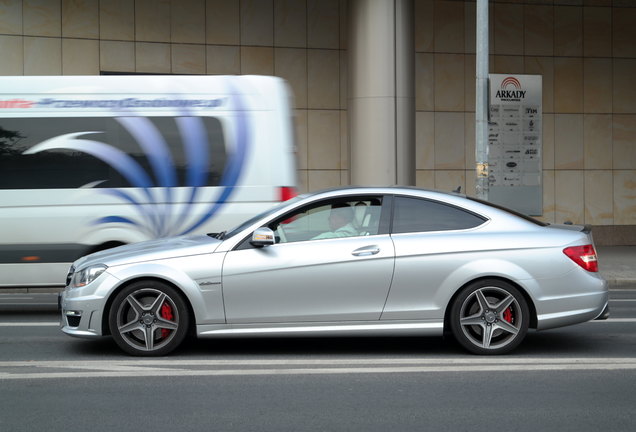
{"x": 481, "y": 101}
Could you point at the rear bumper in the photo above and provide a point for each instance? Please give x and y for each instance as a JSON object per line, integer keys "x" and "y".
{"x": 605, "y": 314}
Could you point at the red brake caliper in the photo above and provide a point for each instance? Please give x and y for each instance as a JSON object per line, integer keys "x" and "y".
{"x": 507, "y": 315}
{"x": 166, "y": 313}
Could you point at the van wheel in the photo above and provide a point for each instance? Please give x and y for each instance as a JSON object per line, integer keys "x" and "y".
{"x": 148, "y": 318}
{"x": 489, "y": 317}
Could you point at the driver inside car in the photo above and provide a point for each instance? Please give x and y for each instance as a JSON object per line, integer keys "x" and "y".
{"x": 340, "y": 222}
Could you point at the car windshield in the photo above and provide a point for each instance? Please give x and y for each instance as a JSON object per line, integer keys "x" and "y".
{"x": 262, "y": 215}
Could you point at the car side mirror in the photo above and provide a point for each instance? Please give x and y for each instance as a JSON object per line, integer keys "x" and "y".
{"x": 263, "y": 236}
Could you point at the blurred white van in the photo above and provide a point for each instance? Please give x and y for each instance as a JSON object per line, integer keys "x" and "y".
{"x": 91, "y": 162}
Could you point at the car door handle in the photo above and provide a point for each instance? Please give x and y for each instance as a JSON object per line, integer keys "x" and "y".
{"x": 366, "y": 251}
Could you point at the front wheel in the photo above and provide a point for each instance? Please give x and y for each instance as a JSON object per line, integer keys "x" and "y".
{"x": 148, "y": 318}
{"x": 489, "y": 317}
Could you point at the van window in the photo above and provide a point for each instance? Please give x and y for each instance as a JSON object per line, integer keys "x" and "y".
{"x": 63, "y": 168}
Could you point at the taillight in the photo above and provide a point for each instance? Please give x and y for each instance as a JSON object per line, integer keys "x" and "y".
{"x": 286, "y": 192}
{"x": 585, "y": 256}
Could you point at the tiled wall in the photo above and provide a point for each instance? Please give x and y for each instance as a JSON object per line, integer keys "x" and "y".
{"x": 585, "y": 50}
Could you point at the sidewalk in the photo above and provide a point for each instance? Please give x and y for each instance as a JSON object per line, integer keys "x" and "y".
{"x": 617, "y": 264}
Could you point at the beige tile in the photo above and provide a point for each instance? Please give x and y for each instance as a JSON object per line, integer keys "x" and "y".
{"x": 290, "y": 23}
{"x": 303, "y": 181}
{"x": 449, "y": 141}
{"x": 323, "y": 75}
{"x": 597, "y": 88}
{"x": 624, "y": 32}
{"x": 449, "y": 27}
{"x": 568, "y": 138}
{"x": 291, "y": 64}
{"x": 547, "y": 152}
{"x": 469, "y": 82}
{"x": 152, "y": 20}
{"x": 569, "y": 187}
{"x": 42, "y": 56}
{"x": 508, "y": 26}
{"x": 471, "y": 184}
{"x": 470, "y": 27}
{"x": 624, "y": 141}
{"x": 257, "y": 22}
{"x": 223, "y": 60}
{"x": 42, "y": 17}
{"x": 543, "y": 66}
{"x": 597, "y": 140}
{"x": 625, "y": 197}
{"x": 152, "y": 57}
{"x": 80, "y": 19}
{"x": 117, "y": 20}
{"x": 597, "y": 32}
{"x": 12, "y": 49}
{"x": 568, "y": 85}
{"x": 424, "y": 140}
{"x": 344, "y": 79}
{"x": 300, "y": 129}
{"x": 344, "y": 26}
{"x": 116, "y": 56}
{"x": 80, "y": 57}
{"x": 11, "y": 17}
{"x": 538, "y": 30}
{"x": 448, "y": 181}
{"x": 624, "y": 91}
{"x": 222, "y": 23}
{"x": 508, "y": 64}
{"x": 568, "y": 31}
{"x": 188, "y": 59}
{"x": 323, "y": 139}
{"x": 599, "y": 203}
{"x": 257, "y": 60}
{"x": 424, "y": 82}
{"x": 449, "y": 82}
{"x": 549, "y": 206}
{"x": 345, "y": 177}
{"x": 345, "y": 149}
{"x": 424, "y": 12}
{"x": 323, "y": 22}
{"x": 469, "y": 140}
{"x": 425, "y": 179}
{"x": 322, "y": 179}
{"x": 187, "y": 21}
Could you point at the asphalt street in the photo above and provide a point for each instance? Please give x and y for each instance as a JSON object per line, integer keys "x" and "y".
{"x": 576, "y": 378}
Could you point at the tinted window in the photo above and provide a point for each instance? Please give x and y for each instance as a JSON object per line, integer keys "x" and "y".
{"x": 193, "y": 155}
{"x": 420, "y": 215}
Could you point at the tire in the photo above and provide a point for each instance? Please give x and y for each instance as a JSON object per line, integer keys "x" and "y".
{"x": 489, "y": 317}
{"x": 148, "y": 318}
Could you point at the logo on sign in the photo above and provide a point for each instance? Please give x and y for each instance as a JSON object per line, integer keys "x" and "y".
{"x": 510, "y": 90}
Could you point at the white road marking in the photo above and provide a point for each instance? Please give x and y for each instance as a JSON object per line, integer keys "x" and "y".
{"x": 262, "y": 367}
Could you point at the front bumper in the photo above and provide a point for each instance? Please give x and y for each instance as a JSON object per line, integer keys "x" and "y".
{"x": 81, "y": 316}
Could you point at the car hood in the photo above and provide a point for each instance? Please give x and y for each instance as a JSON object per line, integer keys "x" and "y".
{"x": 170, "y": 247}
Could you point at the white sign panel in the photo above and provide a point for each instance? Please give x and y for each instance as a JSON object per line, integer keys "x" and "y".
{"x": 514, "y": 142}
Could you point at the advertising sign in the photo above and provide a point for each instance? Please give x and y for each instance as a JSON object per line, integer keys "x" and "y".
{"x": 515, "y": 142}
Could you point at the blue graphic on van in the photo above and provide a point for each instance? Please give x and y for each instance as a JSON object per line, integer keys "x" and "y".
{"x": 156, "y": 216}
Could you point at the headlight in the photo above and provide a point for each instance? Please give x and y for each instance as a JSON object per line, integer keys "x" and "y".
{"x": 87, "y": 275}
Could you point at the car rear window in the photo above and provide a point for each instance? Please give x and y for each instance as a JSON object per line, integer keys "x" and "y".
{"x": 421, "y": 215}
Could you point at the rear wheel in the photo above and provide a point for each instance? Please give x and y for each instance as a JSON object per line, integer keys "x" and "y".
{"x": 490, "y": 317}
{"x": 148, "y": 318}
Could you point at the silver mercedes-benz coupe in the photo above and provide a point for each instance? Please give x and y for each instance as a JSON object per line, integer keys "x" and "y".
{"x": 348, "y": 261}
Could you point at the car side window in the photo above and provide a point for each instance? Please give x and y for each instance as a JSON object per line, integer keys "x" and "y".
{"x": 422, "y": 215}
{"x": 349, "y": 217}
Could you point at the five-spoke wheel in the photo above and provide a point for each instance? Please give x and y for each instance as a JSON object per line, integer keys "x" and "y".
{"x": 148, "y": 318}
{"x": 489, "y": 317}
